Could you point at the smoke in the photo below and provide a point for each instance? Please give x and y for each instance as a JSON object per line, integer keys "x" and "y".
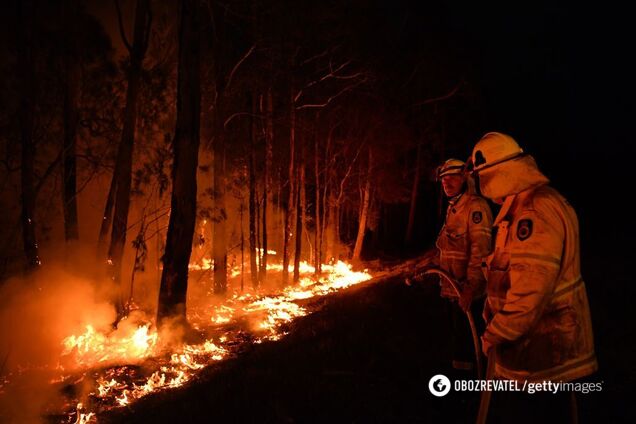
{"x": 36, "y": 314}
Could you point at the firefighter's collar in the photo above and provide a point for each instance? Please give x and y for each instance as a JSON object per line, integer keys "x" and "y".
{"x": 453, "y": 201}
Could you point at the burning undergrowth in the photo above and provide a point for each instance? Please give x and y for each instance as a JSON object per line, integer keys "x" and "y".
{"x": 91, "y": 367}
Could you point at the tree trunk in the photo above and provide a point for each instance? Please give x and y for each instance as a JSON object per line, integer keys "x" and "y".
{"x": 416, "y": 183}
{"x": 174, "y": 279}
{"x": 241, "y": 208}
{"x": 252, "y": 202}
{"x": 123, "y": 175}
{"x": 26, "y": 68}
{"x": 219, "y": 242}
{"x": 318, "y": 239}
{"x": 326, "y": 202}
{"x": 290, "y": 204}
{"x": 107, "y": 218}
{"x": 269, "y": 137}
{"x": 71, "y": 117}
{"x": 332, "y": 227}
{"x": 257, "y": 221}
{"x": 300, "y": 205}
{"x": 362, "y": 222}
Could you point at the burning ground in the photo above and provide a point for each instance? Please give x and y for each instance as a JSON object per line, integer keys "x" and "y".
{"x": 87, "y": 373}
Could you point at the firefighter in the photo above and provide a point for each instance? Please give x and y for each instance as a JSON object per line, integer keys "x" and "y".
{"x": 538, "y": 320}
{"x": 463, "y": 242}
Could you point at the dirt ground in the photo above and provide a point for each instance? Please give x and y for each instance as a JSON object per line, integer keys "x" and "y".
{"x": 366, "y": 355}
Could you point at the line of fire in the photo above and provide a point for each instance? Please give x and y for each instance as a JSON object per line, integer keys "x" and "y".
{"x": 209, "y": 208}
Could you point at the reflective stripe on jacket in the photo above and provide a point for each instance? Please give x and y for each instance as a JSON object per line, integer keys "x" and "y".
{"x": 540, "y": 320}
{"x": 463, "y": 242}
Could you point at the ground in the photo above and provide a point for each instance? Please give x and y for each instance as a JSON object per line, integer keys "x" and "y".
{"x": 364, "y": 355}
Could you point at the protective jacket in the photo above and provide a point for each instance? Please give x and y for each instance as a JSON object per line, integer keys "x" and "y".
{"x": 464, "y": 241}
{"x": 537, "y": 309}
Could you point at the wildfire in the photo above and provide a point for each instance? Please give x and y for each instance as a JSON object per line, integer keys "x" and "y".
{"x": 266, "y": 317}
{"x": 96, "y": 347}
{"x": 83, "y": 418}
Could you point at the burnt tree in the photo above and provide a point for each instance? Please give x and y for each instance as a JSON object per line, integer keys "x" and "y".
{"x": 219, "y": 241}
{"x": 364, "y": 211}
{"x": 252, "y": 196}
{"x": 288, "y": 212}
{"x": 123, "y": 169}
{"x": 70, "y": 118}
{"x": 267, "y": 166}
{"x": 318, "y": 232}
{"x": 26, "y": 68}
{"x": 300, "y": 214}
{"x": 174, "y": 278}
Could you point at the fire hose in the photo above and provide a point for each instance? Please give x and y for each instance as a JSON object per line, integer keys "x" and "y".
{"x": 473, "y": 329}
{"x": 485, "y": 395}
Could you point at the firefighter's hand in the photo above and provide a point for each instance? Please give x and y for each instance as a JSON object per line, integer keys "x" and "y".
{"x": 465, "y": 299}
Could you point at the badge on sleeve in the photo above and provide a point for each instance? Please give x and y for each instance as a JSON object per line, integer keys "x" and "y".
{"x": 477, "y": 217}
{"x": 524, "y": 229}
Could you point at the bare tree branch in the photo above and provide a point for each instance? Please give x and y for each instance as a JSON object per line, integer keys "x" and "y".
{"x": 348, "y": 174}
{"x": 315, "y": 57}
{"x": 415, "y": 69}
{"x": 332, "y": 98}
{"x": 332, "y": 74}
{"x": 441, "y": 98}
{"x": 146, "y": 41}
{"x": 245, "y": 56}
{"x": 49, "y": 171}
{"x": 122, "y": 32}
{"x": 237, "y": 114}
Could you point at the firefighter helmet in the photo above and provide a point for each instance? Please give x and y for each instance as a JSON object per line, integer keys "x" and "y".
{"x": 450, "y": 167}
{"x": 493, "y": 149}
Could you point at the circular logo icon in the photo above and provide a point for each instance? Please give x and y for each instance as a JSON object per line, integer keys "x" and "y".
{"x": 439, "y": 385}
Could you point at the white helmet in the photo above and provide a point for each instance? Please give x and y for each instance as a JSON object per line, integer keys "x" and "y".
{"x": 450, "y": 167}
{"x": 493, "y": 149}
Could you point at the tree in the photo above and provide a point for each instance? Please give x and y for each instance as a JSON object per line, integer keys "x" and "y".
{"x": 71, "y": 117}
{"x": 123, "y": 167}
{"x": 288, "y": 216}
{"x": 364, "y": 211}
{"x": 26, "y": 68}
{"x": 252, "y": 199}
{"x": 414, "y": 191}
{"x": 267, "y": 166}
{"x": 174, "y": 278}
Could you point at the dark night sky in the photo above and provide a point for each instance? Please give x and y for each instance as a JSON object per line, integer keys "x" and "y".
{"x": 559, "y": 79}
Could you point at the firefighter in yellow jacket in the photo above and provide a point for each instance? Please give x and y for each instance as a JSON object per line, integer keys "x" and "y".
{"x": 538, "y": 320}
{"x": 463, "y": 242}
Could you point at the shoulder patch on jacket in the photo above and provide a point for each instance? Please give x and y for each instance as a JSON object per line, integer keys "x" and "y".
{"x": 477, "y": 217}
{"x": 524, "y": 229}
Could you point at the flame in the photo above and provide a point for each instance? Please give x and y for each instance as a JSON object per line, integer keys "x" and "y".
{"x": 83, "y": 418}
{"x": 123, "y": 400}
{"x": 96, "y": 347}
{"x": 268, "y": 316}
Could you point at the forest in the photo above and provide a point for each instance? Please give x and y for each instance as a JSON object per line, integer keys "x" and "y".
{"x": 181, "y": 180}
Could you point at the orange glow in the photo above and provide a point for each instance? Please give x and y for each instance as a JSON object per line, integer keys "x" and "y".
{"x": 266, "y": 316}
